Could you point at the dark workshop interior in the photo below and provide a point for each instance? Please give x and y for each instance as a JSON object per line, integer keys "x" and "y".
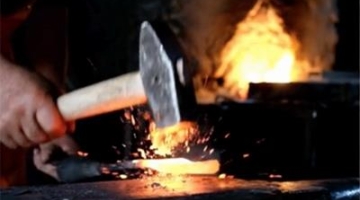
{"x": 303, "y": 132}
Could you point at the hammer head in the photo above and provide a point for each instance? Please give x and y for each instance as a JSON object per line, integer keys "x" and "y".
{"x": 166, "y": 82}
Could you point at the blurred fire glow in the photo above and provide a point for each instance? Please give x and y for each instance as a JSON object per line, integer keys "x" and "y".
{"x": 165, "y": 140}
{"x": 260, "y": 51}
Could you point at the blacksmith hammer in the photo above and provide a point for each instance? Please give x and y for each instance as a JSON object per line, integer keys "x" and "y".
{"x": 157, "y": 83}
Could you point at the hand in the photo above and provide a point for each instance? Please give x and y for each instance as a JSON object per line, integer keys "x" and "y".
{"x": 43, "y": 153}
{"x": 29, "y": 115}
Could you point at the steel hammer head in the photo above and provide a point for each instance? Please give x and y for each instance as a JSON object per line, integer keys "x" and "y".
{"x": 169, "y": 90}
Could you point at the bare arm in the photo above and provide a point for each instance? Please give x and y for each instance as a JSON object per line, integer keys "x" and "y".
{"x": 28, "y": 113}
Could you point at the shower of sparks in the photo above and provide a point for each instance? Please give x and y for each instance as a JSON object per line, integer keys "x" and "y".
{"x": 148, "y": 144}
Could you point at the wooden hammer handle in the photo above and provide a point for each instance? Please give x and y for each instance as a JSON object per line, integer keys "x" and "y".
{"x": 106, "y": 96}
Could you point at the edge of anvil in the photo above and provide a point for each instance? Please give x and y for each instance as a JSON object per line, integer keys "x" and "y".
{"x": 191, "y": 187}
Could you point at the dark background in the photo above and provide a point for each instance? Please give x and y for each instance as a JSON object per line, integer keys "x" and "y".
{"x": 347, "y": 50}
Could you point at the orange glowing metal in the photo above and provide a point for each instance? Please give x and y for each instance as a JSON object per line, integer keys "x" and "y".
{"x": 260, "y": 51}
{"x": 179, "y": 166}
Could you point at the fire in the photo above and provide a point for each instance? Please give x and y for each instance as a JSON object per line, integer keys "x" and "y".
{"x": 260, "y": 51}
{"x": 165, "y": 140}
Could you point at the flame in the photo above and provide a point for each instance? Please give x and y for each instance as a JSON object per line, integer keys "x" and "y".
{"x": 260, "y": 51}
{"x": 165, "y": 140}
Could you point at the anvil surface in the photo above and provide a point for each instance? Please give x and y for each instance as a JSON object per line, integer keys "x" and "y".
{"x": 190, "y": 187}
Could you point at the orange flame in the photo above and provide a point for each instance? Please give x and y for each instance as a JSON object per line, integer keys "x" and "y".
{"x": 165, "y": 140}
{"x": 260, "y": 51}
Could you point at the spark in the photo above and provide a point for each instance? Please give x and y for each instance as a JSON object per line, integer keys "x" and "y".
{"x": 205, "y": 148}
{"x": 82, "y": 154}
{"x": 273, "y": 176}
{"x": 133, "y": 120}
{"x": 142, "y": 153}
{"x": 222, "y": 176}
{"x": 245, "y": 155}
{"x": 211, "y": 151}
{"x": 123, "y": 176}
{"x": 227, "y": 135}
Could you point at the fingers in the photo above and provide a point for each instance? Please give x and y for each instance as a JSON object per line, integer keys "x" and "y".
{"x": 28, "y": 113}
{"x": 8, "y": 141}
{"x": 32, "y": 130}
{"x": 50, "y": 120}
{"x": 43, "y": 166}
{"x": 13, "y": 137}
{"x": 46, "y": 151}
{"x": 21, "y": 139}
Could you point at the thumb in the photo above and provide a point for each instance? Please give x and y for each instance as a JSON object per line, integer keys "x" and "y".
{"x": 45, "y": 168}
{"x": 50, "y": 120}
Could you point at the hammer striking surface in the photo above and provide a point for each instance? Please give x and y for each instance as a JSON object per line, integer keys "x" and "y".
{"x": 154, "y": 84}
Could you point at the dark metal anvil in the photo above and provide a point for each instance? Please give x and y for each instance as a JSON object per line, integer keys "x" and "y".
{"x": 191, "y": 187}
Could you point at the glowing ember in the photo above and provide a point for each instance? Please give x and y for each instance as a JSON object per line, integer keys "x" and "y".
{"x": 275, "y": 176}
{"x": 245, "y": 155}
{"x": 142, "y": 153}
{"x": 211, "y": 151}
{"x": 227, "y": 135}
{"x": 123, "y": 176}
{"x": 205, "y": 148}
{"x": 82, "y": 154}
{"x": 222, "y": 176}
{"x": 260, "y": 51}
{"x": 164, "y": 141}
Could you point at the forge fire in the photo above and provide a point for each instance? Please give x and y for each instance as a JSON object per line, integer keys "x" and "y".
{"x": 261, "y": 51}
